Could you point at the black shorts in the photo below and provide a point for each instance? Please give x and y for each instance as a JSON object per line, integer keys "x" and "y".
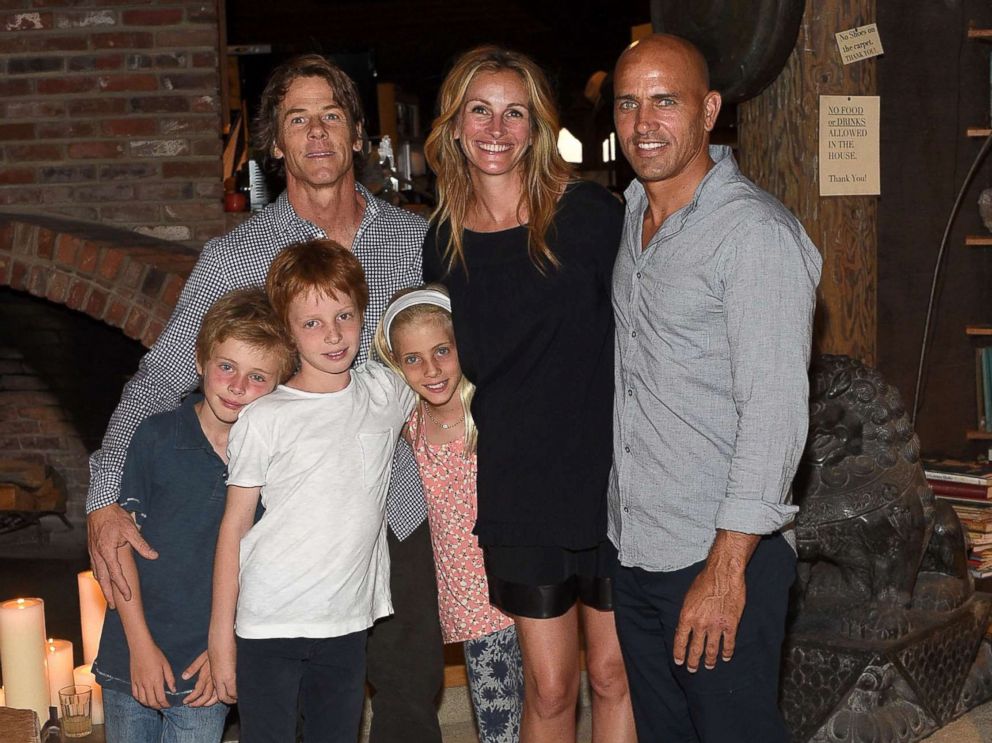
{"x": 545, "y": 582}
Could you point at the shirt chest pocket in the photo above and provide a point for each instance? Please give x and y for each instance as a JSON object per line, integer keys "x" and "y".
{"x": 377, "y": 455}
{"x": 683, "y": 315}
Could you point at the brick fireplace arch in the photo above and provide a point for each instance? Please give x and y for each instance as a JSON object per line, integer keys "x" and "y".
{"x": 125, "y": 279}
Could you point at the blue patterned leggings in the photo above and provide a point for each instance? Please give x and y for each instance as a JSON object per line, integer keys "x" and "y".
{"x": 496, "y": 682}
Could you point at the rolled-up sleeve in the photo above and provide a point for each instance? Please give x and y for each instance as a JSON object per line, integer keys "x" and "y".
{"x": 770, "y": 280}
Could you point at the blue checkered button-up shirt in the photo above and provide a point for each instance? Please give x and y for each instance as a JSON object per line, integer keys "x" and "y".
{"x": 388, "y": 244}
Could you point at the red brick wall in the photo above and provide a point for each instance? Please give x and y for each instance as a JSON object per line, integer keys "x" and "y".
{"x": 109, "y": 112}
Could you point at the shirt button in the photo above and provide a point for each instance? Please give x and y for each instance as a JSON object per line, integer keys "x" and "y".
{"x": 627, "y": 449}
{"x": 633, "y": 333}
{"x": 638, "y": 274}
{"x": 626, "y": 510}
{"x": 630, "y": 393}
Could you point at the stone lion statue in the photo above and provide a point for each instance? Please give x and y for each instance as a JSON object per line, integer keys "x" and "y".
{"x": 873, "y": 541}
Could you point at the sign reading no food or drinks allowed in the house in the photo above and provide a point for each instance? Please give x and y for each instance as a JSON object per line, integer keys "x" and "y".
{"x": 849, "y": 155}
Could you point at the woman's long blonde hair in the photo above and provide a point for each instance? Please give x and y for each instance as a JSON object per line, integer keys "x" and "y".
{"x": 545, "y": 171}
{"x": 426, "y": 313}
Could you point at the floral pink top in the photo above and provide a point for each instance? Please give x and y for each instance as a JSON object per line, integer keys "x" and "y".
{"x": 449, "y": 489}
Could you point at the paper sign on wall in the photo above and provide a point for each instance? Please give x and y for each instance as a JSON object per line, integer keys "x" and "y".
{"x": 859, "y": 43}
{"x": 849, "y": 154}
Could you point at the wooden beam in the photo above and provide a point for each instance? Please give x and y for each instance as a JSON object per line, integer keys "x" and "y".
{"x": 779, "y": 152}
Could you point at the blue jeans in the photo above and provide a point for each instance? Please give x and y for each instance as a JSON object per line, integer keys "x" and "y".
{"x": 129, "y": 721}
{"x": 496, "y": 681}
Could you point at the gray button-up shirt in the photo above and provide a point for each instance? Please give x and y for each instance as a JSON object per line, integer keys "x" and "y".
{"x": 714, "y": 319}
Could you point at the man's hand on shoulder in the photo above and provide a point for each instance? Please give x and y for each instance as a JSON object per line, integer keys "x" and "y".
{"x": 107, "y": 529}
{"x": 714, "y": 603}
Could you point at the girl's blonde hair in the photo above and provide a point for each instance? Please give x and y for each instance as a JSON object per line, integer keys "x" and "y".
{"x": 545, "y": 171}
{"x": 419, "y": 313}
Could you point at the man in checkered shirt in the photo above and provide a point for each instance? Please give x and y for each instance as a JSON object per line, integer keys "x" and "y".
{"x": 310, "y": 122}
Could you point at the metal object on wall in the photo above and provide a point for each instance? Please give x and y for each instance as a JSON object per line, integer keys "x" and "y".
{"x": 985, "y": 208}
{"x": 745, "y": 43}
{"x": 885, "y": 641}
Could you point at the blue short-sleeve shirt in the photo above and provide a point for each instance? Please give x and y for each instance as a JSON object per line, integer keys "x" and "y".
{"x": 175, "y": 484}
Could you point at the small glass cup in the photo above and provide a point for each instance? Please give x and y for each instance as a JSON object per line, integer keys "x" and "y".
{"x": 75, "y": 702}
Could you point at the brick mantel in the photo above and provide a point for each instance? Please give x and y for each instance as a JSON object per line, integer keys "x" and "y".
{"x": 127, "y": 280}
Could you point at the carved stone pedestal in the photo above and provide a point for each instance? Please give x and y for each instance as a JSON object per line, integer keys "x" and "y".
{"x": 887, "y": 691}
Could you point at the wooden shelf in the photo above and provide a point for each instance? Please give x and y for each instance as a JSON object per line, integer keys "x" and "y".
{"x": 982, "y": 34}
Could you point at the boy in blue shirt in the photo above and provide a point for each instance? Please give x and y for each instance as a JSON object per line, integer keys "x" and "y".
{"x": 152, "y": 662}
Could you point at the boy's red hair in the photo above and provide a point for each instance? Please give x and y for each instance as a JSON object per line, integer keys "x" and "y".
{"x": 320, "y": 266}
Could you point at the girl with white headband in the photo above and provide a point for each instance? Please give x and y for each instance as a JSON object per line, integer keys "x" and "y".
{"x": 415, "y": 337}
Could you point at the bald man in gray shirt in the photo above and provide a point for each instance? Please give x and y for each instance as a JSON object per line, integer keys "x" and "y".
{"x": 713, "y": 293}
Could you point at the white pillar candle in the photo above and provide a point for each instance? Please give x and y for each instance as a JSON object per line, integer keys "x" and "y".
{"x": 92, "y": 607}
{"x": 83, "y": 675}
{"x": 59, "y": 669}
{"x": 3, "y": 699}
{"x": 22, "y": 655}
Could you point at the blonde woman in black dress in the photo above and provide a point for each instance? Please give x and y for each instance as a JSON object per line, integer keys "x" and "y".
{"x": 527, "y": 253}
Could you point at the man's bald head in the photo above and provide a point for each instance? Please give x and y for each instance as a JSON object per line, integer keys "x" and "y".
{"x": 666, "y": 50}
{"x": 664, "y": 111}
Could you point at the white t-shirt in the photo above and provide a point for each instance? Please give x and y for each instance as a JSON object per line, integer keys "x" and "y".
{"x": 316, "y": 564}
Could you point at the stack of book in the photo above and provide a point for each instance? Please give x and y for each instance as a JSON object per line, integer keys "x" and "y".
{"x": 967, "y": 486}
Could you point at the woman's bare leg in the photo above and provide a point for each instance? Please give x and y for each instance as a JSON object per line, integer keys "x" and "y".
{"x": 612, "y": 716}
{"x": 550, "y": 649}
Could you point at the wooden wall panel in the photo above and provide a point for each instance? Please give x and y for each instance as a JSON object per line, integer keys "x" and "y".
{"x": 779, "y": 151}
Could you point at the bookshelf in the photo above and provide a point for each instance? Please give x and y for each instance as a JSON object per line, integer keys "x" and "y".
{"x": 980, "y": 332}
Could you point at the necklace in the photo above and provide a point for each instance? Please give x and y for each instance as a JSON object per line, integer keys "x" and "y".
{"x": 439, "y": 424}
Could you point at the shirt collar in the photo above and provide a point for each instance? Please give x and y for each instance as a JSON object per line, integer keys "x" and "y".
{"x": 189, "y": 432}
{"x": 724, "y": 169}
{"x": 287, "y": 220}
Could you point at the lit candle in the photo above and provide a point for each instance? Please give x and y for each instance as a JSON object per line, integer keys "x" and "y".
{"x": 92, "y": 607}
{"x": 83, "y": 675}
{"x": 59, "y": 669}
{"x": 3, "y": 700}
{"x": 22, "y": 655}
